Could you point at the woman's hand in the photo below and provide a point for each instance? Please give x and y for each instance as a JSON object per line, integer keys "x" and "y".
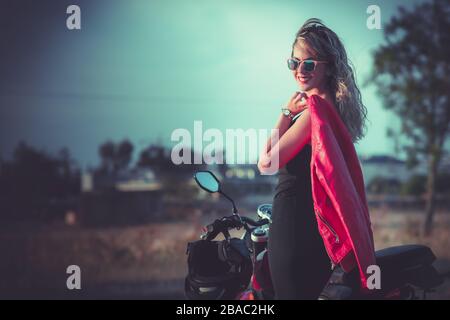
{"x": 298, "y": 102}
{"x": 264, "y": 162}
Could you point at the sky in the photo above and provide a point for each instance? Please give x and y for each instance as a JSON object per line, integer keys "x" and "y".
{"x": 141, "y": 69}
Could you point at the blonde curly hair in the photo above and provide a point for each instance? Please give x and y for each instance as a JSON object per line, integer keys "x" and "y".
{"x": 340, "y": 75}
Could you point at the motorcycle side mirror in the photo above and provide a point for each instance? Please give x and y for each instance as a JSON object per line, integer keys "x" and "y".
{"x": 207, "y": 181}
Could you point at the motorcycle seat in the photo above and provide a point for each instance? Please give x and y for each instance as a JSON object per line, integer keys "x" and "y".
{"x": 404, "y": 257}
{"x": 398, "y": 265}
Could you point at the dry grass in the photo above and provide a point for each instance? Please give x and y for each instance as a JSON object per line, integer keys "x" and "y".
{"x": 397, "y": 228}
{"x": 38, "y": 259}
{"x": 144, "y": 253}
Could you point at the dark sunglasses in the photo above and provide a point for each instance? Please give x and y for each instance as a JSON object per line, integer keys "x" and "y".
{"x": 308, "y": 65}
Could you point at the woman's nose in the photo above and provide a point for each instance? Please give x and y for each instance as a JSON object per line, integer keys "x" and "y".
{"x": 303, "y": 71}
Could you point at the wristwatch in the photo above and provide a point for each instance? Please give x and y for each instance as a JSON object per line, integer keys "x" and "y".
{"x": 287, "y": 113}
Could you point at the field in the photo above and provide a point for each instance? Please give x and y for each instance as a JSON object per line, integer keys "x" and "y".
{"x": 149, "y": 261}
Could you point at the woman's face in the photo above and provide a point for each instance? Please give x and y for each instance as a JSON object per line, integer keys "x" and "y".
{"x": 308, "y": 81}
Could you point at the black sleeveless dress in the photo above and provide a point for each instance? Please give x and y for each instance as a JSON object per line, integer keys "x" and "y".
{"x": 299, "y": 264}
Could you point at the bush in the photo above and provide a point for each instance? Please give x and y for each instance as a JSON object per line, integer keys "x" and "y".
{"x": 415, "y": 186}
{"x": 383, "y": 185}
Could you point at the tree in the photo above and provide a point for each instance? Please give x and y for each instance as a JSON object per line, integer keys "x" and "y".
{"x": 158, "y": 158}
{"x": 415, "y": 185}
{"x": 33, "y": 179}
{"x": 383, "y": 185}
{"x": 107, "y": 152}
{"x": 124, "y": 153}
{"x": 411, "y": 73}
{"x": 115, "y": 156}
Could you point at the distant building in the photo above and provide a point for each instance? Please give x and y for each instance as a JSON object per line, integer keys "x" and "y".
{"x": 126, "y": 198}
{"x": 392, "y": 168}
{"x": 246, "y": 179}
{"x": 388, "y": 167}
{"x": 138, "y": 179}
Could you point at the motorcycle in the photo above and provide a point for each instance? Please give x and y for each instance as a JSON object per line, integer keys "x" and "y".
{"x": 407, "y": 270}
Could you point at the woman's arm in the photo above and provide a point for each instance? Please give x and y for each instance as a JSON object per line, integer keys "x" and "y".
{"x": 297, "y": 103}
{"x": 292, "y": 141}
{"x": 282, "y": 126}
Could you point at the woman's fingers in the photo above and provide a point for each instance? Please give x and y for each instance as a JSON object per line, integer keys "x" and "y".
{"x": 295, "y": 95}
{"x": 301, "y": 97}
{"x": 299, "y": 103}
{"x": 298, "y": 99}
{"x": 263, "y": 163}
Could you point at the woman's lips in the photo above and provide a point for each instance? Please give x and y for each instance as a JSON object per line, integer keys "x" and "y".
{"x": 304, "y": 79}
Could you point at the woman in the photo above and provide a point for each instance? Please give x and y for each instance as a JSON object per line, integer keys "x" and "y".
{"x": 299, "y": 263}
